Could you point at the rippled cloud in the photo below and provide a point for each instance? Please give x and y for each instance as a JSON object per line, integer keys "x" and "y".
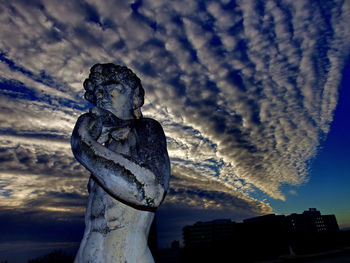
{"x": 245, "y": 91}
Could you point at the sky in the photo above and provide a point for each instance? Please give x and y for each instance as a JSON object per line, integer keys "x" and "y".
{"x": 252, "y": 96}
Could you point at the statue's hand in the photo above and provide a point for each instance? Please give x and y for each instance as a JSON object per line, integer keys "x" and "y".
{"x": 120, "y": 134}
{"x": 98, "y": 131}
{"x": 95, "y": 126}
{"x": 109, "y": 120}
{"x": 112, "y": 126}
{"x": 98, "y": 112}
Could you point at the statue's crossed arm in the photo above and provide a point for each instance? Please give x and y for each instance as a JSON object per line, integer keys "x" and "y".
{"x": 141, "y": 182}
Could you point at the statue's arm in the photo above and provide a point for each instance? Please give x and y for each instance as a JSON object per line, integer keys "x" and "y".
{"x": 134, "y": 183}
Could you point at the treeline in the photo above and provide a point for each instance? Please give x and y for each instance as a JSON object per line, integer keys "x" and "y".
{"x": 57, "y": 256}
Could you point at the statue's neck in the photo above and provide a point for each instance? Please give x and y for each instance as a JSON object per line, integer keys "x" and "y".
{"x": 124, "y": 114}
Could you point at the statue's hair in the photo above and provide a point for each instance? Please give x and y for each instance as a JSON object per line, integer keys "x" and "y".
{"x": 106, "y": 74}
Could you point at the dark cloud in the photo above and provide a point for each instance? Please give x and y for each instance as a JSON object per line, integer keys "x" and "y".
{"x": 16, "y": 89}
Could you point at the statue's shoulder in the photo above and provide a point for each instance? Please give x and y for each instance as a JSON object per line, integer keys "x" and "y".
{"x": 148, "y": 124}
{"x": 150, "y": 129}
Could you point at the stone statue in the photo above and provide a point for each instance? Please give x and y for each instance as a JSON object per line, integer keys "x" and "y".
{"x": 129, "y": 164}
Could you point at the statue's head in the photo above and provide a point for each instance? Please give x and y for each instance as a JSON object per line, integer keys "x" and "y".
{"x": 110, "y": 86}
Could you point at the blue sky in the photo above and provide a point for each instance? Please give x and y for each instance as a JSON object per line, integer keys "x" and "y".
{"x": 248, "y": 93}
{"x": 327, "y": 188}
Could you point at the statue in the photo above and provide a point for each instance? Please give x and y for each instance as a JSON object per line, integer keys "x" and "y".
{"x": 129, "y": 164}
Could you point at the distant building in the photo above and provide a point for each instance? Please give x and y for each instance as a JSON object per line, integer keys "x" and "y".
{"x": 207, "y": 234}
{"x": 331, "y": 223}
{"x": 261, "y": 237}
{"x": 270, "y": 219}
{"x": 170, "y": 255}
{"x": 175, "y": 244}
{"x": 268, "y": 234}
{"x": 312, "y": 221}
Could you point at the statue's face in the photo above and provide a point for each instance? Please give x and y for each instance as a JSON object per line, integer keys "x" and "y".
{"x": 122, "y": 97}
{"x": 116, "y": 98}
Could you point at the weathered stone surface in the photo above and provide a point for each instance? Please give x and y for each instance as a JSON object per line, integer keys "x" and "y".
{"x": 129, "y": 164}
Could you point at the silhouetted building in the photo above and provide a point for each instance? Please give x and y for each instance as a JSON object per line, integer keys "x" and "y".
{"x": 268, "y": 234}
{"x": 331, "y": 223}
{"x": 175, "y": 244}
{"x": 260, "y": 237}
{"x": 207, "y": 234}
{"x": 311, "y": 232}
{"x": 312, "y": 221}
{"x": 172, "y": 255}
{"x": 209, "y": 241}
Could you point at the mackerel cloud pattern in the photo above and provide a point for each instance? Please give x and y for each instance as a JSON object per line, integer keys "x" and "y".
{"x": 245, "y": 91}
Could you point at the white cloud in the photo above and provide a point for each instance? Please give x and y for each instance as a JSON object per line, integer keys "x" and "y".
{"x": 41, "y": 176}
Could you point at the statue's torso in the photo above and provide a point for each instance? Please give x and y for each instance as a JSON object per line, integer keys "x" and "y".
{"x": 115, "y": 231}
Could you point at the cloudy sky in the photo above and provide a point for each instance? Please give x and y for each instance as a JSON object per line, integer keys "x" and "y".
{"x": 246, "y": 91}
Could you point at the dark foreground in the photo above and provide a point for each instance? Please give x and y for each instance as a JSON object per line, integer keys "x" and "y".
{"x": 178, "y": 256}
{"x": 336, "y": 256}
